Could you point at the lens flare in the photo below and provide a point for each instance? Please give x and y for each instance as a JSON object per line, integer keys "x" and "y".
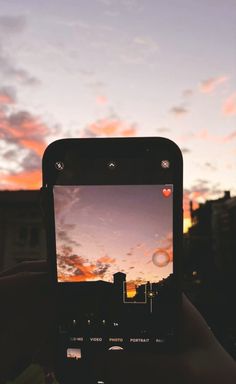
{"x": 160, "y": 258}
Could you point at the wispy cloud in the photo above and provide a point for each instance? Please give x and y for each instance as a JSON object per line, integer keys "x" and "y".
{"x": 12, "y": 24}
{"x": 185, "y": 150}
{"x": 65, "y": 201}
{"x": 229, "y": 106}
{"x": 7, "y": 95}
{"x": 187, "y": 93}
{"x": 209, "y": 85}
{"x": 25, "y": 130}
{"x": 101, "y": 100}
{"x": 210, "y": 166}
{"x": 73, "y": 267}
{"x": 64, "y": 235}
{"x": 199, "y": 192}
{"x": 110, "y": 127}
{"x": 163, "y": 129}
{"x": 12, "y": 71}
{"x": 179, "y": 110}
{"x": 23, "y": 140}
{"x": 146, "y": 43}
{"x": 205, "y": 135}
{"x": 138, "y": 50}
{"x": 106, "y": 259}
{"x": 126, "y": 5}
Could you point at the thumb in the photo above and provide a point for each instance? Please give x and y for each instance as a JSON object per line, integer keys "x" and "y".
{"x": 194, "y": 330}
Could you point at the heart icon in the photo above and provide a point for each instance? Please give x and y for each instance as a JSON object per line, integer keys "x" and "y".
{"x": 166, "y": 192}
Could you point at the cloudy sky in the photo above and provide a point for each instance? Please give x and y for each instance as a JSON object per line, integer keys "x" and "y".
{"x": 101, "y": 230}
{"x": 73, "y": 68}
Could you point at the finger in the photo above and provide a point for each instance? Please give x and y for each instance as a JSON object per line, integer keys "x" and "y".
{"x": 195, "y": 330}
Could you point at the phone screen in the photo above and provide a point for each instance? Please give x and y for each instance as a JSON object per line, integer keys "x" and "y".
{"x": 114, "y": 249}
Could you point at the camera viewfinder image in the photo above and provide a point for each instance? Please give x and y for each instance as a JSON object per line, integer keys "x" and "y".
{"x": 115, "y": 244}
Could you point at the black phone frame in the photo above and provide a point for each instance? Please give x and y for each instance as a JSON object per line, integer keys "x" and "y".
{"x": 97, "y": 152}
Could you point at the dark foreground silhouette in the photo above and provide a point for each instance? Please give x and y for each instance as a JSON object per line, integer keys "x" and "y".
{"x": 27, "y": 329}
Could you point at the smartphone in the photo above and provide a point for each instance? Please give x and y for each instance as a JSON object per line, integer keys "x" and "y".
{"x": 114, "y": 232}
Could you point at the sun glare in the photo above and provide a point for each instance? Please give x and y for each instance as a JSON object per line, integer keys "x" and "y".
{"x": 187, "y": 224}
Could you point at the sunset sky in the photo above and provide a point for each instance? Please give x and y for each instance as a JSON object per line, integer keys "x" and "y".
{"x": 102, "y": 230}
{"x": 74, "y": 68}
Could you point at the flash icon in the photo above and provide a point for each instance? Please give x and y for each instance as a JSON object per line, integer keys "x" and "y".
{"x": 59, "y": 165}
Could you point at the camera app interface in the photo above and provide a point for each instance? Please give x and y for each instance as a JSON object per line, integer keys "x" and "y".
{"x": 115, "y": 254}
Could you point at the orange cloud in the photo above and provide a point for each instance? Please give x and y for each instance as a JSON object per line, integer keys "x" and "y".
{"x": 37, "y": 146}
{"x": 209, "y": 85}
{"x": 26, "y": 135}
{"x": 129, "y": 132}
{"x": 229, "y": 106}
{"x": 79, "y": 271}
{"x": 27, "y": 130}
{"x": 22, "y": 180}
{"x": 106, "y": 260}
{"x": 72, "y": 267}
{"x": 111, "y": 127}
{"x": 5, "y": 99}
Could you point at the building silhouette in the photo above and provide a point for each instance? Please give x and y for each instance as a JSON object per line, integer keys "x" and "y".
{"x": 210, "y": 244}
{"x": 119, "y": 279}
{"x": 224, "y": 236}
{"x": 210, "y": 266}
{"x": 22, "y": 234}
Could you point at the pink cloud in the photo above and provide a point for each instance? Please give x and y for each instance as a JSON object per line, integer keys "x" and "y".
{"x": 22, "y": 180}
{"x": 25, "y": 134}
{"x": 111, "y": 127}
{"x": 25, "y": 130}
{"x": 106, "y": 259}
{"x": 229, "y": 106}
{"x": 7, "y": 96}
{"x": 209, "y": 85}
{"x": 101, "y": 100}
{"x": 230, "y": 137}
{"x": 205, "y": 135}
